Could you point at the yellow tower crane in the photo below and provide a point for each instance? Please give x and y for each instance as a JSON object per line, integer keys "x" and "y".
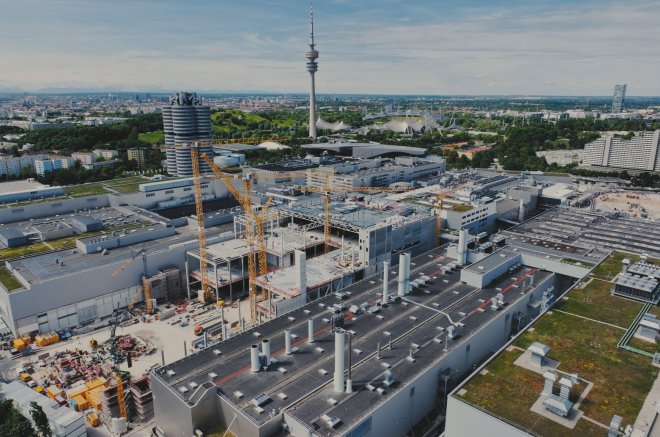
{"x": 201, "y": 231}
{"x": 254, "y": 228}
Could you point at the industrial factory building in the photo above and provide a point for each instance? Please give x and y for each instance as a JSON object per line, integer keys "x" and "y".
{"x": 371, "y": 360}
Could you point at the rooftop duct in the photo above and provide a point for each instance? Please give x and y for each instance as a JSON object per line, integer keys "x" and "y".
{"x": 265, "y": 349}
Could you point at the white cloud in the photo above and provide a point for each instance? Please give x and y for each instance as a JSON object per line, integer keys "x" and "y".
{"x": 582, "y": 49}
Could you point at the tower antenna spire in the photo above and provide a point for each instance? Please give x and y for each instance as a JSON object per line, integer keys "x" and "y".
{"x": 311, "y": 24}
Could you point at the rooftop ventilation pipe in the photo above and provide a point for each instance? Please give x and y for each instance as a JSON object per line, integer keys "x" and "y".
{"x": 254, "y": 358}
{"x": 339, "y": 360}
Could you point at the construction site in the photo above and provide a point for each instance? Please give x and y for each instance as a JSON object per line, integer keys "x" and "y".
{"x": 632, "y": 203}
{"x": 152, "y": 329}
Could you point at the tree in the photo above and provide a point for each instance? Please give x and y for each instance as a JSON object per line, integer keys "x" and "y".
{"x": 40, "y": 419}
{"x": 12, "y": 423}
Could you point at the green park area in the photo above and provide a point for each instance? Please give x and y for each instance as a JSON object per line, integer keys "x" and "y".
{"x": 123, "y": 185}
{"x": 156, "y": 137}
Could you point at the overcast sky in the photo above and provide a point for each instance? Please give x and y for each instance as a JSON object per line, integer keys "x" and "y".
{"x": 547, "y": 47}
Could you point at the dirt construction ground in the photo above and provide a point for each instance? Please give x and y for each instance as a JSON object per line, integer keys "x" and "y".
{"x": 636, "y": 204}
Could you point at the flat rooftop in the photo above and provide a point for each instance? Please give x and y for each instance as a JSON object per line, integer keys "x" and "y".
{"x": 22, "y": 185}
{"x": 490, "y": 262}
{"x": 587, "y": 333}
{"x": 71, "y": 261}
{"x": 301, "y": 382}
{"x": 586, "y": 231}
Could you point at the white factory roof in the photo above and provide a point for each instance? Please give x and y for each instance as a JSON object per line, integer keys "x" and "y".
{"x": 21, "y": 186}
{"x": 557, "y": 191}
{"x": 272, "y": 145}
{"x": 63, "y": 418}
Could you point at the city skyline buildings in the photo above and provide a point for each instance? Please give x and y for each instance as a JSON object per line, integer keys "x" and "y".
{"x": 370, "y": 47}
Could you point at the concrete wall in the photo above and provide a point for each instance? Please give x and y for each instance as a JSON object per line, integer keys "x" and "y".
{"x": 70, "y": 289}
{"x": 466, "y": 421}
{"x": 553, "y": 265}
{"x": 27, "y": 212}
{"x": 174, "y": 415}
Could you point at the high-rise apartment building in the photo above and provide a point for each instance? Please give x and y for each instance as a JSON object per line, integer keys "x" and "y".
{"x": 186, "y": 121}
{"x": 619, "y": 98}
{"x": 641, "y": 152}
{"x": 12, "y": 165}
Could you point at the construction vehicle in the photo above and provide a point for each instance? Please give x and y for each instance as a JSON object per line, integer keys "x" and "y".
{"x": 93, "y": 419}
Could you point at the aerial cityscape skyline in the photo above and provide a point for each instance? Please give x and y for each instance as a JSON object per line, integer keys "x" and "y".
{"x": 447, "y": 227}
{"x": 480, "y": 48}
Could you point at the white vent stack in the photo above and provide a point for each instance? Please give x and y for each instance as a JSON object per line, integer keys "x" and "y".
{"x": 349, "y": 381}
{"x": 386, "y": 279}
{"x": 521, "y": 211}
{"x": 301, "y": 270}
{"x": 254, "y": 357}
{"x": 287, "y": 341}
{"x": 408, "y": 288}
{"x": 265, "y": 349}
{"x": 310, "y": 331}
{"x": 340, "y": 336}
{"x": 462, "y": 247}
{"x": 402, "y": 275}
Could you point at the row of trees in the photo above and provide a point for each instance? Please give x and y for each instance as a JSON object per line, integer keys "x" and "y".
{"x": 117, "y": 136}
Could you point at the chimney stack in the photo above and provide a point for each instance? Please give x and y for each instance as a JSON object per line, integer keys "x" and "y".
{"x": 287, "y": 341}
{"x": 386, "y": 279}
{"x": 254, "y": 358}
{"x": 301, "y": 270}
{"x": 340, "y": 336}
{"x": 265, "y": 349}
{"x": 462, "y": 247}
{"x": 521, "y": 211}
{"x": 310, "y": 331}
{"x": 402, "y": 275}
